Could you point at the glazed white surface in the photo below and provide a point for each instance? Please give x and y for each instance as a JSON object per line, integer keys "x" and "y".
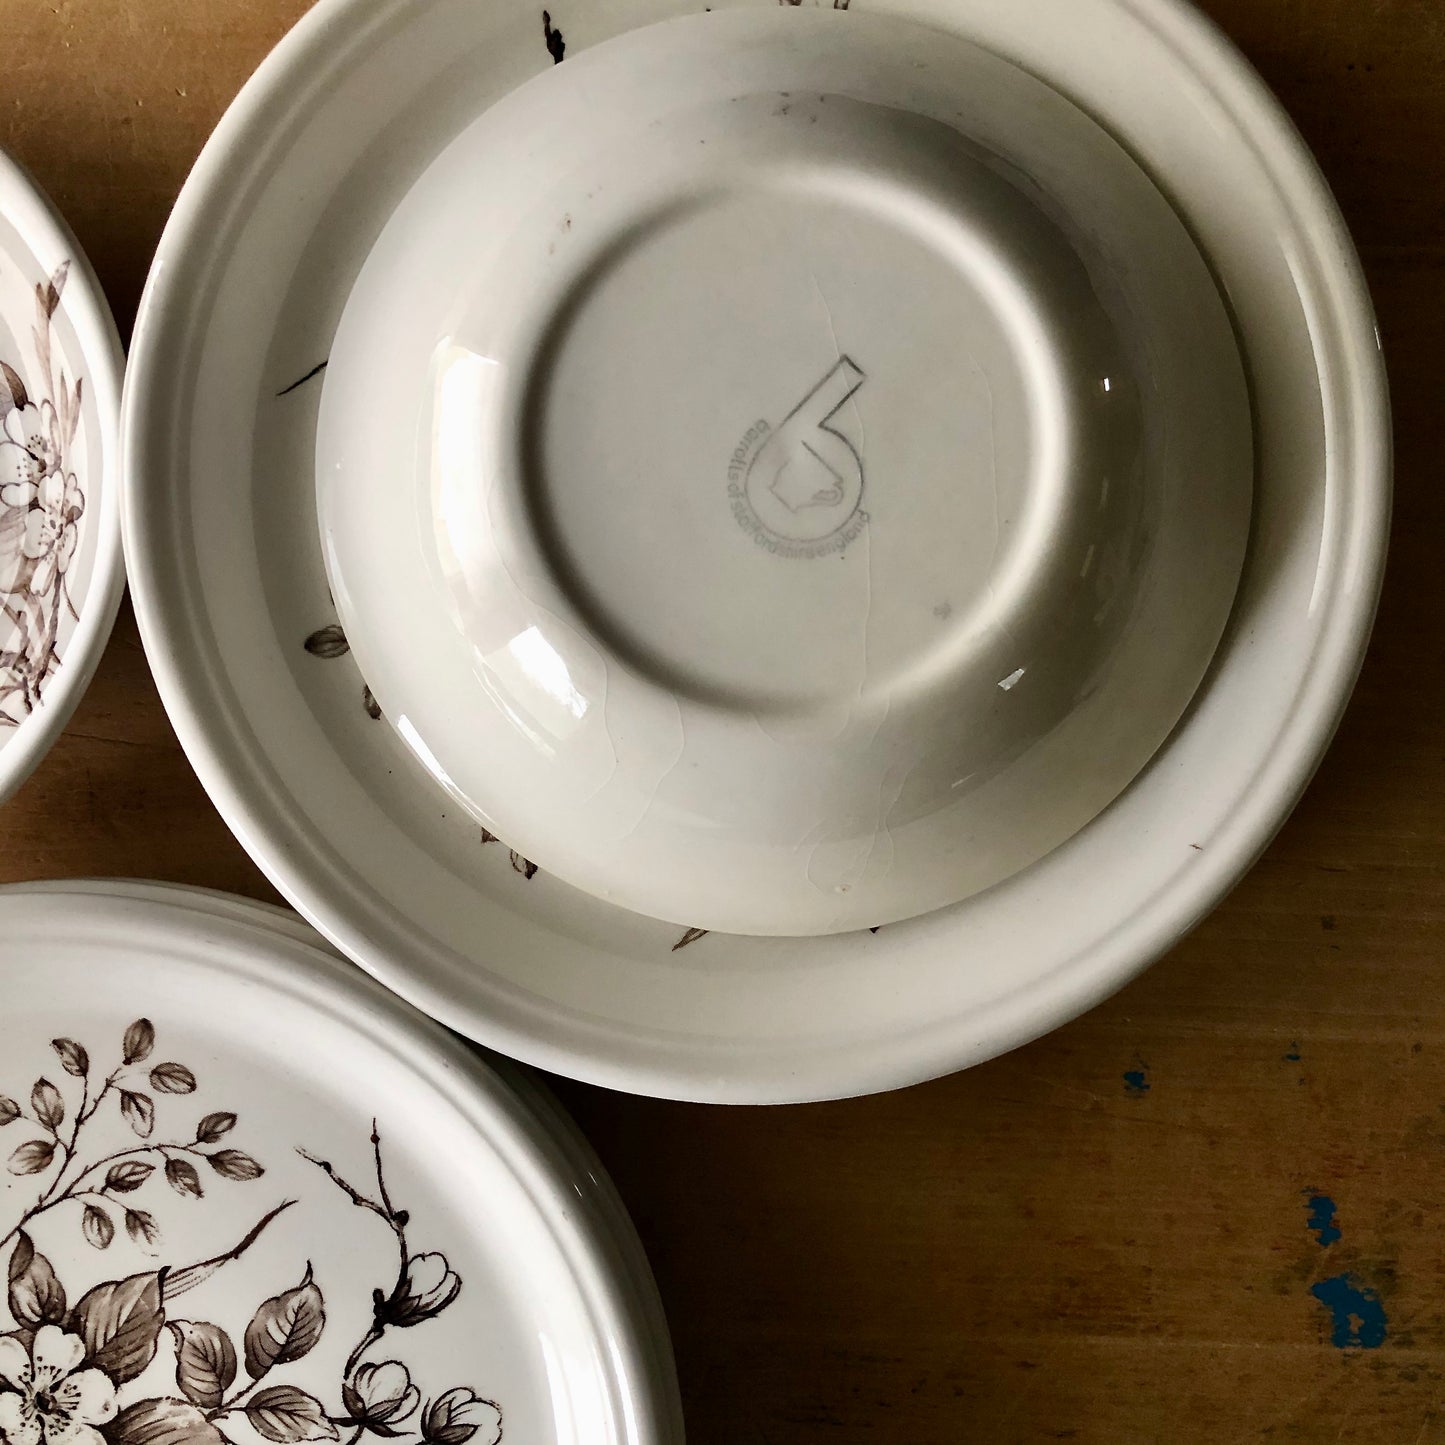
{"x": 966, "y": 579}
{"x": 296, "y": 186}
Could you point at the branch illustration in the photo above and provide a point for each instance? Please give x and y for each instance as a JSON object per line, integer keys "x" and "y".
{"x": 396, "y": 1220}
{"x": 178, "y": 1281}
{"x": 125, "y": 1170}
{"x": 379, "y": 1396}
{"x": 116, "y": 1325}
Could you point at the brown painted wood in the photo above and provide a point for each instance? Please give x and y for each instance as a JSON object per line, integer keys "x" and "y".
{"x": 1032, "y": 1251}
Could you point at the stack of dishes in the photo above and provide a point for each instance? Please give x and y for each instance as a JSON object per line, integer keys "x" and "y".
{"x": 761, "y": 554}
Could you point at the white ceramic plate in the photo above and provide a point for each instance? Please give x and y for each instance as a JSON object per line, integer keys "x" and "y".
{"x": 219, "y": 436}
{"x": 416, "y": 1250}
{"x": 61, "y": 573}
{"x": 1004, "y": 490}
{"x": 632, "y": 1275}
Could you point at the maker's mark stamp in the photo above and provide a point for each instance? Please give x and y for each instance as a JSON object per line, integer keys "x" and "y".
{"x": 797, "y": 488}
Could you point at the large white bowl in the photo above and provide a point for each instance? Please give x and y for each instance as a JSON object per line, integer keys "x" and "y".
{"x": 813, "y": 475}
{"x": 219, "y": 437}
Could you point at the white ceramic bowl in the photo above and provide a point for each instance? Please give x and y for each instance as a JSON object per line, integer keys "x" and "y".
{"x": 61, "y": 573}
{"x": 219, "y": 435}
{"x": 813, "y": 476}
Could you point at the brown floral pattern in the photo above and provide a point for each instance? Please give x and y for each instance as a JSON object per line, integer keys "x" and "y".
{"x": 41, "y": 505}
{"x": 65, "y": 1368}
{"x": 330, "y": 642}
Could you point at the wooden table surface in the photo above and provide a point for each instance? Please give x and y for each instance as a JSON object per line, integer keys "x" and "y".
{"x": 1212, "y": 1210}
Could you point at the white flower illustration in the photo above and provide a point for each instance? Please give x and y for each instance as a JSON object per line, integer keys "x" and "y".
{"x": 50, "y": 528}
{"x": 53, "y": 1400}
{"x": 457, "y": 1417}
{"x": 29, "y": 453}
{"x": 380, "y": 1394}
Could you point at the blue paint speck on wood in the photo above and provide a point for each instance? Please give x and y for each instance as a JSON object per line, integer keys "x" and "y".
{"x": 1322, "y": 1217}
{"x": 1359, "y": 1316}
{"x": 1136, "y": 1081}
{"x": 1293, "y": 1056}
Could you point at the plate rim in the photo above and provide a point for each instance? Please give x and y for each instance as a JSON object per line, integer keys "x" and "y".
{"x": 299, "y": 865}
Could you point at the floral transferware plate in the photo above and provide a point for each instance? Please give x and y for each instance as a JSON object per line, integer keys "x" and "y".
{"x": 589, "y": 1180}
{"x": 60, "y": 556}
{"x": 417, "y": 1253}
{"x": 230, "y": 584}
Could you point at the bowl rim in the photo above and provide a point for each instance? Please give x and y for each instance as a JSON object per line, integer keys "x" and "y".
{"x": 1355, "y": 417}
{"x": 47, "y": 233}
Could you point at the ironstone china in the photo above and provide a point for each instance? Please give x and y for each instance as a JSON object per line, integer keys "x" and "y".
{"x": 572, "y": 860}
{"x": 251, "y": 1196}
{"x": 61, "y": 574}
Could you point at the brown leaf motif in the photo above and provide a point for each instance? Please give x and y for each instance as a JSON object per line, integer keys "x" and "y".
{"x": 173, "y": 1079}
{"x": 205, "y": 1362}
{"x": 73, "y": 1058}
{"x": 120, "y": 1323}
{"x": 162, "y": 1422}
{"x": 32, "y": 1158}
{"x": 97, "y": 1226}
{"x": 286, "y": 1415}
{"x": 36, "y": 1296}
{"x": 127, "y": 1175}
{"x": 140, "y": 1039}
{"x": 142, "y": 1228}
{"x": 182, "y": 1177}
{"x": 12, "y": 390}
{"x": 49, "y": 1107}
{"x": 556, "y": 44}
{"x": 285, "y": 1328}
{"x": 329, "y": 641}
{"x": 9, "y": 1110}
{"x": 49, "y": 298}
{"x": 233, "y": 1164}
{"x": 139, "y": 1111}
{"x": 214, "y": 1127}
